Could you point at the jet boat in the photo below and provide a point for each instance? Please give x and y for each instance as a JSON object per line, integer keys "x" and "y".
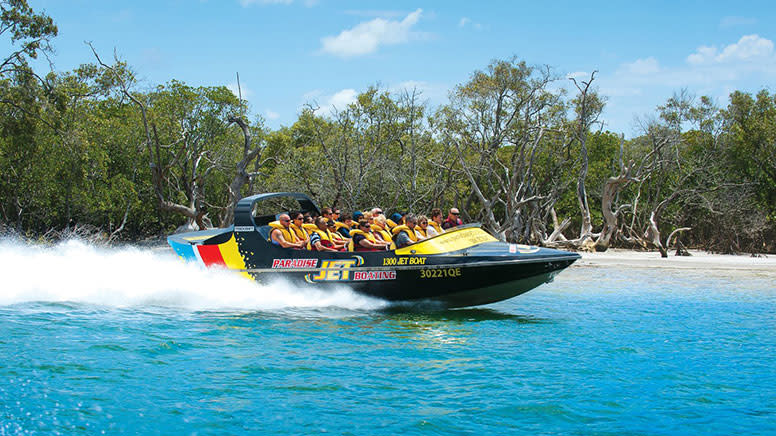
{"x": 465, "y": 266}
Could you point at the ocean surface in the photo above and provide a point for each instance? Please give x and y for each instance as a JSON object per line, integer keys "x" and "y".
{"x": 129, "y": 340}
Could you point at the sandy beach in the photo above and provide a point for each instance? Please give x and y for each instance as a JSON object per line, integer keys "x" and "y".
{"x": 697, "y": 261}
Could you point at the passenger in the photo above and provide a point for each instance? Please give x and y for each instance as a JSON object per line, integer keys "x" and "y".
{"x": 283, "y": 235}
{"x": 394, "y": 221}
{"x": 404, "y": 235}
{"x": 308, "y": 219}
{"x": 435, "y": 223}
{"x": 380, "y": 230}
{"x": 320, "y": 239}
{"x": 452, "y": 220}
{"x": 376, "y": 211}
{"x": 336, "y": 239}
{"x": 326, "y": 212}
{"x": 421, "y": 230}
{"x": 344, "y": 226}
{"x": 335, "y": 215}
{"x": 363, "y": 240}
{"x": 297, "y": 221}
{"x": 357, "y": 216}
{"x": 369, "y": 218}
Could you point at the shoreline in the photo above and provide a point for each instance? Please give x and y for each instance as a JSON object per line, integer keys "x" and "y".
{"x": 698, "y": 260}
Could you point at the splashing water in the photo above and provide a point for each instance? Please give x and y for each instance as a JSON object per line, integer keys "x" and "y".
{"x": 78, "y": 272}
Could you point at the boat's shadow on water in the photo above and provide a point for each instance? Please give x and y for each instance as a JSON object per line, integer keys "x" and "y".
{"x": 431, "y": 313}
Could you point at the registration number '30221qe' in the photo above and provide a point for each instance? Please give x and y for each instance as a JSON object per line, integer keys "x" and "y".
{"x": 439, "y": 273}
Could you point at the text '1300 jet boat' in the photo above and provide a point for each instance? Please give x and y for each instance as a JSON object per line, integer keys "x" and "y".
{"x": 465, "y": 266}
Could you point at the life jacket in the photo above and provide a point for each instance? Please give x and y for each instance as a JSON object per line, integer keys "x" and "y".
{"x": 288, "y": 235}
{"x": 338, "y": 238}
{"x": 311, "y": 228}
{"x": 340, "y": 225}
{"x": 335, "y": 236}
{"x": 436, "y": 227}
{"x": 390, "y": 223}
{"x": 353, "y": 247}
{"x": 383, "y": 233}
{"x": 421, "y": 233}
{"x": 299, "y": 232}
{"x": 403, "y": 228}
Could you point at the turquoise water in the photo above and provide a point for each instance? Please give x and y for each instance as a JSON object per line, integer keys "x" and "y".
{"x": 129, "y": 341}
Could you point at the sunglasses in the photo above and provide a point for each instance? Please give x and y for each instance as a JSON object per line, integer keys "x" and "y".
{"x": 285, "y": 220}
{"x": 457, "y": 213}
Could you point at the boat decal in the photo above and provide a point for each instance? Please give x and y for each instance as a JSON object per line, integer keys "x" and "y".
{"x": 440, "y": 273}
{"x": 342, "y": 271}
{"x": 294, "y": 263}
{"x": 211, "y": 255}
{"x": 374, "y": 275}
{"x": 243, "y": 228}
{"x": 453, "y": 240}
{"x": 390, "y": 261}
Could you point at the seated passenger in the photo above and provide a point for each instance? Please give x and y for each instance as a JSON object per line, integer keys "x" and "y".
{"x": 379, "y": 229}
{"x": 435, "y": 223}
{"x": 452, "y": 219}
{"x": 326, "y": 212}
{"x": 394, "y": 221}
{"x": 337, "y": 240}
{"x": 283, "y": 235}
{"x": 297, "y": 220}
{"x": 344, "y": 226}
{"x": 357, "y": 216}
{"x": 404, "y": 235}
{"x": 320, "y": 239}
{"x": 421, "y": 230}
{"x": 364, "y": 240}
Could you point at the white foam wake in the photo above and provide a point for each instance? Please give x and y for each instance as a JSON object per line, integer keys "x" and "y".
{"x": 74, "y": 271}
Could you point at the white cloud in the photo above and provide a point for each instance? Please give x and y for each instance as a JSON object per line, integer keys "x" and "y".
{"x": 466, "y": 21}
{"x": 368, "y": 36}
{"x": 246, "y": 3}
{"x": 578, "y": 75}
{"x": 644, "y": 66}
{"x": 271, "y": 115}
{"x": 748, "y": 48}
{"x": 733, "y": 21}
{"x": 337, "y": 101}
{"x": 246, "y": 92}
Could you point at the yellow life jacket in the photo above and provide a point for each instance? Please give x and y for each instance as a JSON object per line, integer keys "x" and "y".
{"x": 355, "y": 232}
{"x": 436, "y": 226}
{"x": 403, "y": 228}
{"x": 299, "y": 232}
{"x": 325, "y": 235}
{"x": 420, "y": 231}
{"x": 335, "y": 236}
{"x": 390, "y": 223}
{"x": 383, "y": 233}
{"x": 288, "y": 235}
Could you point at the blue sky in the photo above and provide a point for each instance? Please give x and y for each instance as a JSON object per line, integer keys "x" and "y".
{"x": 292, "y": 52}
